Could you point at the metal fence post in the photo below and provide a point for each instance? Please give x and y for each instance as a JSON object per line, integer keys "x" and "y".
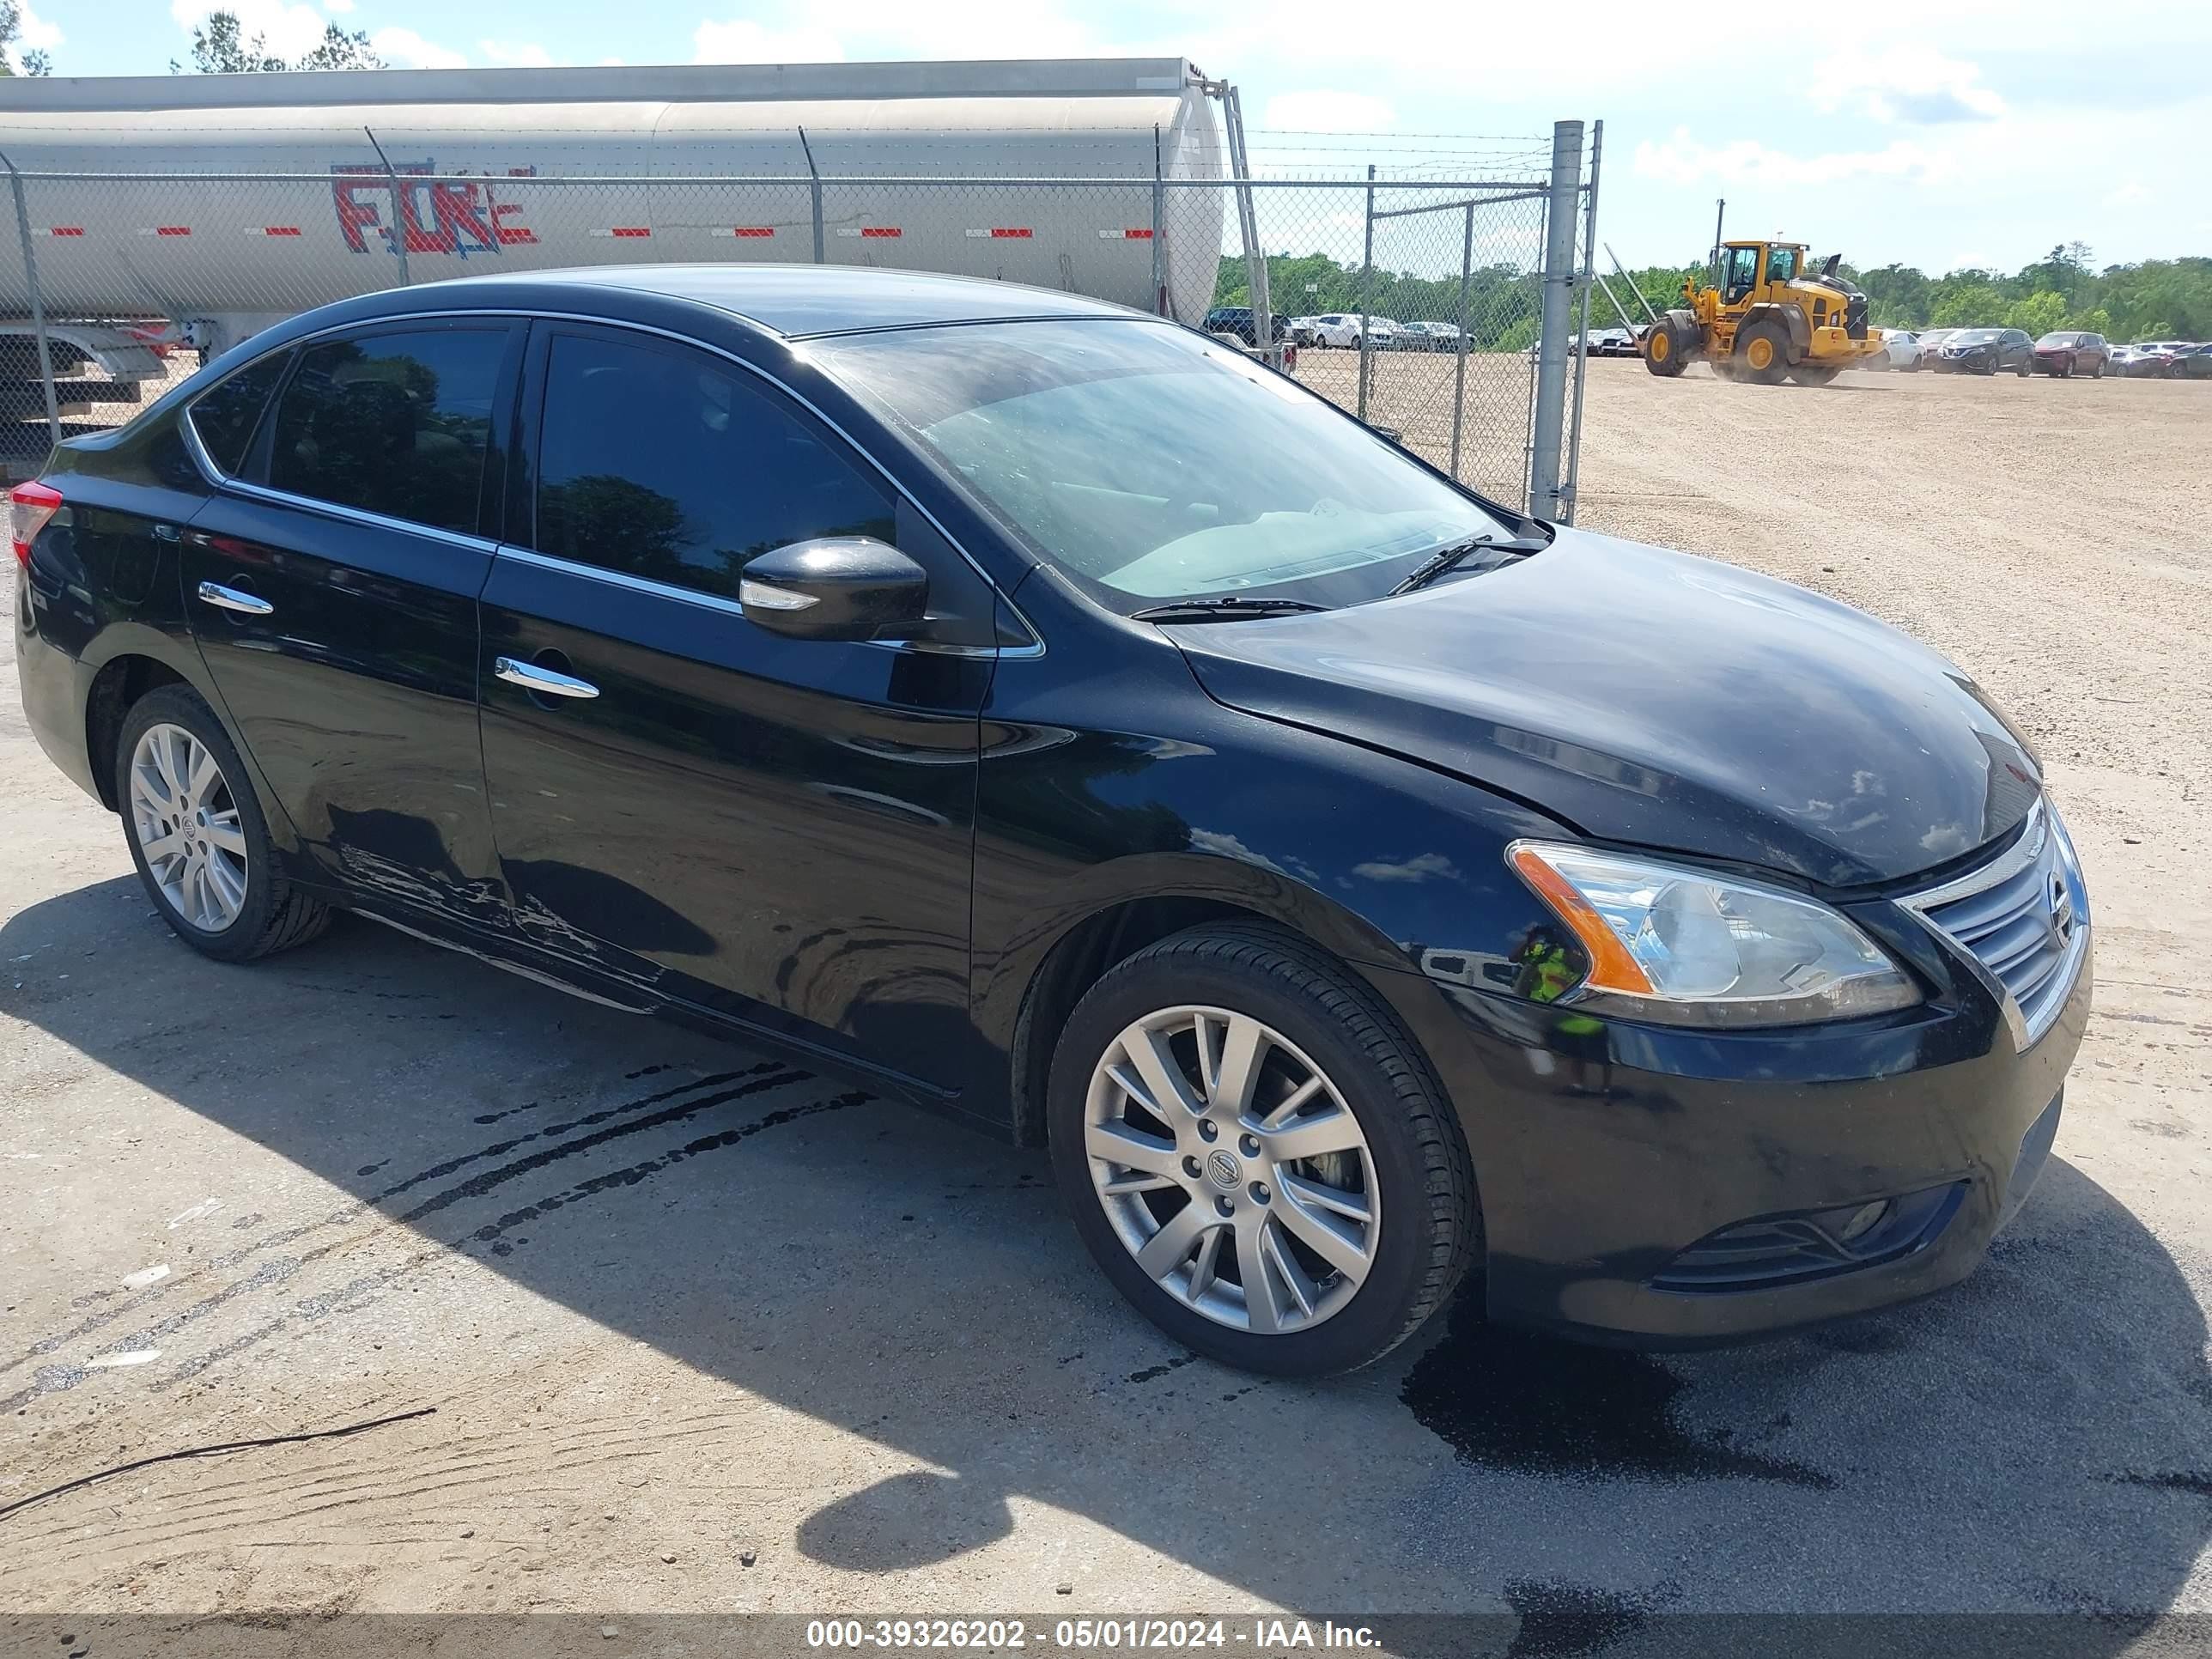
{"x": 814, "y": 179}
{"x": 1582, "y": 358}
{"x": 1159, "y": 233}
{"x": 1558, "y": 289}
{"x": 38, "y": 305}
{"x": 398, "y": 208}
{"x": 1459, "y": 368}
{"x": 1248, "y": 224}
{"x": 1366, "y": 289}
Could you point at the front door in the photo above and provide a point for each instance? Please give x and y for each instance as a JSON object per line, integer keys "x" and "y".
{"x": 333, "y": 588}
{"x": 781, "y": 830}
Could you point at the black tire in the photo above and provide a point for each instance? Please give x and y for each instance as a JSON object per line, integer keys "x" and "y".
{"x": 275, "y": 915}
{"x": 2026, "y": 367}
{"x": 1814, "y": 374}
{"x": 1670, "y": 346}
{"x": 1430, "y": 1228}
{"x": 1747, "y": 342}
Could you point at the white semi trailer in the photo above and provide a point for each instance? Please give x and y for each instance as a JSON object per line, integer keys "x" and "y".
{"x": 447, "y": 172}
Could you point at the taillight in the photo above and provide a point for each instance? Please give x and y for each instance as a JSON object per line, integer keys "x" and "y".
{"x": 31, "y": 505}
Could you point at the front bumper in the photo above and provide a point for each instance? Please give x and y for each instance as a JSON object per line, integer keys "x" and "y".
{"x": 1615, "y": 1159}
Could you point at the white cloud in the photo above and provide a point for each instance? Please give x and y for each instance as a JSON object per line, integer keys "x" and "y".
{"x": 503, "y": 55}
{"x": 287, "y": 30}
{"x": 742, "y": 40}
{"x": 1904, "y": 83}
{"x": 1326, "y": 110}
{"x": 404, "y": 49}
{"x": 2129, "y": 195}
{"x": 338, "y": 8}
{"x": 1682, "y": 160}
{"x": 34, "y": 32}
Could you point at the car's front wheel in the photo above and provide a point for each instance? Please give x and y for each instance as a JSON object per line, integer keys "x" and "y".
{"x": 198, "y": 837}
{"x": 1257, "y": 1154}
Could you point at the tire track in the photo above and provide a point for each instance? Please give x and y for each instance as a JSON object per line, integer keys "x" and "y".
{"x": 766, "y": 1076}
{"x": 356, "y": 1209}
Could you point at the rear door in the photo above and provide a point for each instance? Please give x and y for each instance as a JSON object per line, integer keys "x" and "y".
{"x": 777, "y": 829}
{"x": 333, "y": 588}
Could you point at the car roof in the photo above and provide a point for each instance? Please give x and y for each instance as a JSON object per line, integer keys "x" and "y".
{"x": 797, "y": 301}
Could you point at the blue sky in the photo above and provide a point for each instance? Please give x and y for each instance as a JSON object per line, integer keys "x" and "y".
{"x": 1943, "y": 133}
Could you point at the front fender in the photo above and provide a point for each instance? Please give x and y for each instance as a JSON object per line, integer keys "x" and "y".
{"x": 1390, "y": 866}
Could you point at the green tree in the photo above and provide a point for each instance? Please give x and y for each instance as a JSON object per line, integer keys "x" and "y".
{"x": 11, "y": 31}
{"x": 1970, "y": 305}
{"x": 220, "y": 46}
{"x": 2039, "y": 314}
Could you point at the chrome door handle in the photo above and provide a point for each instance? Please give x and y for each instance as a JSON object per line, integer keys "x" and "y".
{"x": 543, "y": 681}
{"x": 230, "y": 598}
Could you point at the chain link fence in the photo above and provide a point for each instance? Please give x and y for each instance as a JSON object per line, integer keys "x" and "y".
{"x": 1418, "y": 304}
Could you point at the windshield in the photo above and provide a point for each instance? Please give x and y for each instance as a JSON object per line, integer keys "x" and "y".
{"x": 1973, "y": 337}
{"x": 2055, "y": 340}
{"x": 1151, "y": 464}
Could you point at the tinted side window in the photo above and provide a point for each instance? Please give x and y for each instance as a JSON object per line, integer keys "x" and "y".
{"x": 391, "y": 423}
{"x": 659, "y": 463}
{"x": 225, "y": 417}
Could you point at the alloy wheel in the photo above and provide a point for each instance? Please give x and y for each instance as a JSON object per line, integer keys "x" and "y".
{"x": 187, "y": 827}
{"x": 1232, "y": 1169}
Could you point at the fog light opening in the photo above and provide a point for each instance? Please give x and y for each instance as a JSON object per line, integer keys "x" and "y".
{"x": 1863, "y": 1219}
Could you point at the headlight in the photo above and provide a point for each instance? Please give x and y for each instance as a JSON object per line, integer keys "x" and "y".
{"x": 1689, "y": 948}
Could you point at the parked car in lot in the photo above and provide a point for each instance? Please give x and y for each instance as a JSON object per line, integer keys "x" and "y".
{"x": 1237, "y": 320}
{"x": 1986, "y": 351}
{"x": 2070, "y": 351}
{"x": 1928, "y": 348}
{"x": 1050, "y": 716}
{"x": 1428, "y": 336}
{"x": 1605, "y": 343}
{"x": 2195, "y": 364}
{"x": 2151, "y": 359}
{"x": 1304, "y": 331}
{"x": 1342, "y": 329}
{"x": 1900, "y": 348}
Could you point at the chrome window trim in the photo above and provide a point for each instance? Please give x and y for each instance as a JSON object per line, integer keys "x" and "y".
{"x": 2028, "y": 850}
{"x": 729, "y": 607}
{"x": 1035, "y": 647}
{"x": 645, "y": 585}
{"x": 360, "y": 515}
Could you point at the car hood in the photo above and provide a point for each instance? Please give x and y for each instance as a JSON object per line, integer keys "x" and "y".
{"x": 1657, "y": 699}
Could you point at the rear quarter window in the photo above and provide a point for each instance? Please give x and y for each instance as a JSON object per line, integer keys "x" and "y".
{"x": 224, "y": 418}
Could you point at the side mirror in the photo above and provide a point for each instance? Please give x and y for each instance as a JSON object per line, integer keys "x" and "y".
{"x": 835, "y": 587}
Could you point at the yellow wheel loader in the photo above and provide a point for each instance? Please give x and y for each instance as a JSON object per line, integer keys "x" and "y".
{"x": 1768, "y": 320}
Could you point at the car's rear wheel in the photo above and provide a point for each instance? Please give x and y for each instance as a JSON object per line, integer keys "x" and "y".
{"x": 1257, "y": 1155}
{"x": 196, "y": 835}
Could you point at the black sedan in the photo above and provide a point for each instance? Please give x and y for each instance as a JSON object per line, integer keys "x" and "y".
{"x": 1238, "y": 320}
{"x": 1986, "y": 351}
{"x": 1049, "y": 716}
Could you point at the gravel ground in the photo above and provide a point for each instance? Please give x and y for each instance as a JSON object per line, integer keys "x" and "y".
{"x": 702, "y": 1333}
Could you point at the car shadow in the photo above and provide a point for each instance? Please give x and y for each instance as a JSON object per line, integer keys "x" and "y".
{"x": 2035, "y": 1440}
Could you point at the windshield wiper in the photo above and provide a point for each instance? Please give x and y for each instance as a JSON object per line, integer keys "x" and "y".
{"x": 1445, "y": 558}
{"x": 1231, "y": 608}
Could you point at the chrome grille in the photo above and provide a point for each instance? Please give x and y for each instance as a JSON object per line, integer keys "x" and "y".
{"x": 2024, "y": 920}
